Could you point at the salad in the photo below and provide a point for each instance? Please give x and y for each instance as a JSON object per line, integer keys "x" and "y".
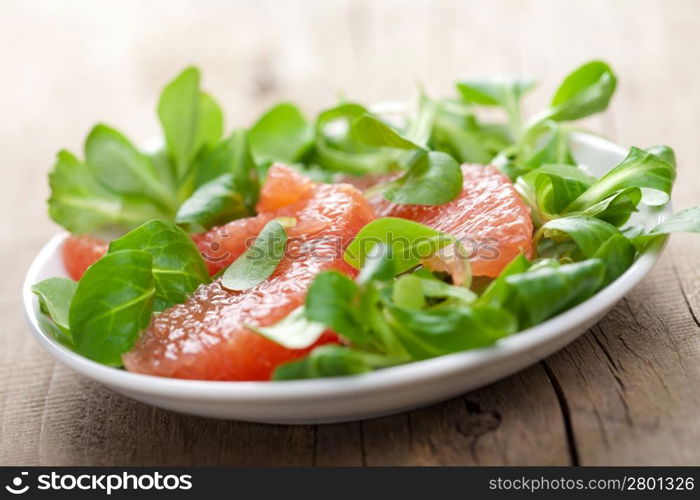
{"x": 355, "y": 241}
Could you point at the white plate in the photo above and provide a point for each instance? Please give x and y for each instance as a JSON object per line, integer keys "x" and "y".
{"x": 373, "y": 394}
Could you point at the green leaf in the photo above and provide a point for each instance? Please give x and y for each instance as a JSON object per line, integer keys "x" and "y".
{"x": 336, "y": 149}
{"x": 665, "y": 153}
{"x": 432, "y": 179}
{"x": 640, "y": 169}
{"x": 587, "y": 232}
{"x": 231, "y": 157}
{"x": 554, "y": 192}
{"x": 421, "y": 125}
{"x": 462, "y": 140}
{"x": 685, "y": 221}
{"x": 585, "y": 91}
{"x": 546, "y": 143}
{"x": 617, "y": 253}
{"x": 497, "y": 290}
{"x": 409, "y": 242}
{"x": 55, "y": 295}
{"x": 371, "y": 131}
{"x": 593, "y": 238}
{"x": 112, "y": 304}
{"x": 434, "y": 288}
{"x": 504, "y": 93}
{"x": 81, "y": 204}
{"x": 493, "y": 92}
{"x": 259, "y": 261}
{"x": 328, "y": 361}
{"x": 430, "y": 333}
{"x": 617, "y": 208}
{"x": 212, "y": 204}
{"x": 538, "y": 294}
{"x": 378, "y": 265}
{"x": 408, "y": 292}
{"x": 331, "y": 300}
{"x": 292, "y": 332}
{"x": 210, "y": 123}
{"x": 178, "y": 268}
{"x": 121, "y": 168}
{"x": 190, "y": 119}
{"x": 281, "y": 134}
{"x": 164, "y": 167}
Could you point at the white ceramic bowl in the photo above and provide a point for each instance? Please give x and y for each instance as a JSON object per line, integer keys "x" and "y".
{"x": 373, "y": 394}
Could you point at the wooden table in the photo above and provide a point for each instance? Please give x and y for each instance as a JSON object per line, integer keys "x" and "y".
{"x": 626, "y": 392}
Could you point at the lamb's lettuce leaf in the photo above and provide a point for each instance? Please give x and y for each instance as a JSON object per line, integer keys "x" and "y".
{"x": 685, "y": 221}
{"x": 458, "y": 132}
{"x": 593, "y": 238}
{"x": 409, "y": 241}
{"x": 433, "y": 177}
{"x": 214, "y": 203}
{"x": 55, "y": 295}
{"x": 178, "y": 268}
{"x": 434, "y": 332}
{"x": 295, "y": 331}
{"x": 281, "y": 134}
{"x": 190, "y": 119}
{"x": 259, "y": 261}
{"x": 336, "y": 149}
{"x": 81, "y": 204}
{"x": 505, "y": 93}
{"x": 332, "y": 300}
{"x": 585, "y": 91}
{"x": 535, "y": 294}
{"x": 330, "y": 361}
{"x": 118, "y": 165}
{"x": 649, "y": 170}
{"x": 112, "y": 304}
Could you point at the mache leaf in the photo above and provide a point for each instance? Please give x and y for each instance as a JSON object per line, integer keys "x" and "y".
{"x": 55, "y": 296}
{"x": 259, "y": 261}
{"x": 409, "y": 242}
{"x": 647, "y": 170}
{"x": 585, "y": 91}
{"x": 178, "y": 268}
{"x": 112, "y": 304}
{"x": 121, "y": 168}
{"x": 212, "y": 204}
{"x": 433, "y": 178}
{"x": 190, "y": 119}
{"x": 295, "y": 331}
{"x": 81, "y": 204}
{"x": 281, "y": 134}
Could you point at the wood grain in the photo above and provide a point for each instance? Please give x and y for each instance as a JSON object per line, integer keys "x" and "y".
{"x": 624, "y": 393}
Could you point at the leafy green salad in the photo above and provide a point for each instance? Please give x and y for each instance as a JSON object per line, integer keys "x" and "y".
{"x": 144, "y": 213}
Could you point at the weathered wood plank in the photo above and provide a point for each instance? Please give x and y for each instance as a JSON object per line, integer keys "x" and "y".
{"x": 631, "y": 381}
{"x": 512, "y": 422}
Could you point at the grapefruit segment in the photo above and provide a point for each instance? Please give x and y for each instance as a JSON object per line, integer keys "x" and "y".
{"x": 284, "y": 192}
{"x": 205, "y": 337}
{"x": 80, "y": 252}
{"x": 489, "y": 218}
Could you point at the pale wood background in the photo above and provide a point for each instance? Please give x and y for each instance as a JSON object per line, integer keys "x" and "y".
{"x": 624, "y": 393}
